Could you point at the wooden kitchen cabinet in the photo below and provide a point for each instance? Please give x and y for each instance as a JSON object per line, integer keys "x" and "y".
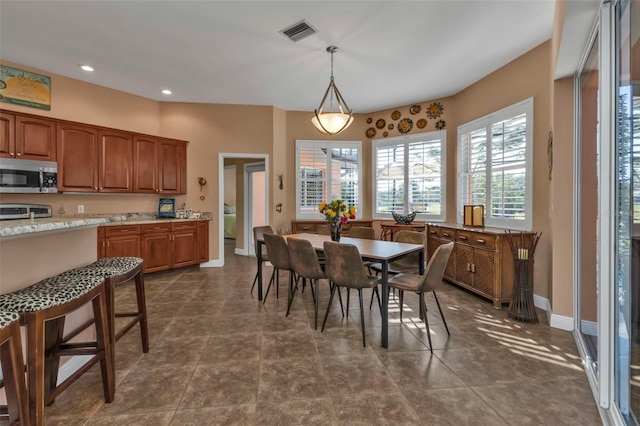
{"x": 145, "y": 164}
{"x": 102, "y": 243}
{"x": 77, "y": 157}
{"x": 172, "y": 166}
{"x": 156, "y": 246}
{"x": 480, "y": 262}
{"x": 122, "y": 241}
{"x": 115, "y": 159}
{"x": 185, "y": 243}
{"x": 160, "y": 165}
{"x": 27, "y": 138}
{"x": 203, "y": 241}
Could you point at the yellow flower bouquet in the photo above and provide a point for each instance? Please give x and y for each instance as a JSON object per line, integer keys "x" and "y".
{"x": 336, "y": 212}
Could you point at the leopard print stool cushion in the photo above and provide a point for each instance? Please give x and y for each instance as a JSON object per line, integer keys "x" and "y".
{"x": 7, "y": 318}
{"x": 118, "y": 265}
{"x": 50, "y": 292}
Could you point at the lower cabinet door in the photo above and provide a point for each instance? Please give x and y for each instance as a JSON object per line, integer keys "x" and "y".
{"x": 185, "y": 248}
{"x": 156, "y": 252}
{"x": 124, "y": 246}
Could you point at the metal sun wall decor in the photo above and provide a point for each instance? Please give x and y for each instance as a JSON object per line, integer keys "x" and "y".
{"x": 406, "y": 124}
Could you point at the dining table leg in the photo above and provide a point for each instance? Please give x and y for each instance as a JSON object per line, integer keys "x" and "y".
{"x": 385, "y": 305}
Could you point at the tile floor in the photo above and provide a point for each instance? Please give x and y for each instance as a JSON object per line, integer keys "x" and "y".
{"x": 218, "y": 356}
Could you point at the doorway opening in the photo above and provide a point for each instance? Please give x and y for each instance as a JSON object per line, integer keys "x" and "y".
{"x": 250, "y": 194}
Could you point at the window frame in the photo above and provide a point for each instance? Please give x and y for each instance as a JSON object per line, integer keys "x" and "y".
{"x": 326, "y": 144}
{"x": 406, "y": 141}
{"x": 486, "y": 122}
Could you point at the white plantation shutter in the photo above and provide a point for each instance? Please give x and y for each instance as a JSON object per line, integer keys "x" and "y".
{"x": 410, "y": 175}
{"x": 494, "y": 166}
{"x": 326, "y": 171}
{"x": 636, "y": 159}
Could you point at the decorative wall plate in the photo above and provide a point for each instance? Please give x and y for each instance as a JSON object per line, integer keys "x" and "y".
{"x": 385, "y": 134}
{"x": 415, "y": 109}
{"x": 390, "y": 126}
{"x": 395, "y": 115}
{"x": 440, "y": 124}
{"x": 405, "y": 125}
{"x": 371, "y": 132}
{"x": 435, "y": 110}
{"x": 369, "y": 120}
{"x": 380, "y": 123}
{"x": 422, "y": 123}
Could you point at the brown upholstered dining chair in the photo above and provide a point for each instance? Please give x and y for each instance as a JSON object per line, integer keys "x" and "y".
{"x": 421, "y": 284}
{"x": 258, "y": 232}
{"x": 342, "y": 262}
{"x": 407, "y": 264}
{"x": 365, "y": 232}
{"x": 279, "y": 257}
{"x": 306, "y": 265}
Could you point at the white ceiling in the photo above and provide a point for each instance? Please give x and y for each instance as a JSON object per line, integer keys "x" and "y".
{"x": 390, "y": 52}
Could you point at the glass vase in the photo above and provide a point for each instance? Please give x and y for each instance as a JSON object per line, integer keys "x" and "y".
{"x": 336, "y": 230}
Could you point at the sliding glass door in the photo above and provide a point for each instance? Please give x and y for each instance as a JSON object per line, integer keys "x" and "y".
{"x": 627, "y": 210}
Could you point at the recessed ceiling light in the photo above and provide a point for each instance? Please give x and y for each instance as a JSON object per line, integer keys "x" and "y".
{"x": 166, "y": 91}
{"x": 86, "y": 68}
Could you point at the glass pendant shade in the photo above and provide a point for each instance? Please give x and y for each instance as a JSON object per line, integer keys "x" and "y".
{"x": 333, "y": 115}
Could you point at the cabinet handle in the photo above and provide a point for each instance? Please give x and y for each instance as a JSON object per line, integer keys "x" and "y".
{"x": 12, "y": 154}
{"x": 462, "y": 237}
{"x": 473, "y": 268}
{"x": 468, "y": 267}
{"x": 101, "y": 188}
{"x": 107, "y": 243}
{"x": 481, "y": 241}
{"x": 445, "y": 234}
{"x": 95, "y": 188}
{"x": 18, "y": 154}
{"x": 432, "y": 232}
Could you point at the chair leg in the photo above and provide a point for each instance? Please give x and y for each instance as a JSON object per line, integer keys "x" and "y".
{"x": 278, "y": 285}
{"x": 326, "y": 314}
{"x": 364, "y": 342}
{"x": 273, "y": 277}
{"x": 348, "y": 292}
{"x": 317, "y": 302}
{"x": 103, "y": 343}
{"x": 35, "y": 365}
{"x": 423, "y": 307}
{"x": 13, "y": 369}
{"x": 374, "y": 292}
{"x": 255, "y": 280}
{"x": 441, "y": 313}
{"x": 292, "y": 291}
{"x": 401, "y": 293}
{"x": 142, "y": 311}
{"x": 342, "y": 311}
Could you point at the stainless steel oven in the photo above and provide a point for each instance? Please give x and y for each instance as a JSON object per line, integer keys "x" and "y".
{"x": 27, "y": 176}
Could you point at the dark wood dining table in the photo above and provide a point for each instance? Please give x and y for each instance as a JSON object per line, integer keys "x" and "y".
{"x": 377, "y": 251}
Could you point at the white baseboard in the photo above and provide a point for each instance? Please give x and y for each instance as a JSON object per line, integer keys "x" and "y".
{"x": 212, "y": 263}
{"x": 590, "y": 328}
{"x": 555, "y": 321}
{"x": 241, "y": 252}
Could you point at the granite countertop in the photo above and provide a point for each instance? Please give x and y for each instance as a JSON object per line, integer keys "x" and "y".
{"x": 12, "y": 228}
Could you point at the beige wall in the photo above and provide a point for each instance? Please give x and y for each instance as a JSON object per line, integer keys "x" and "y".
{"x": 215, "y": 128}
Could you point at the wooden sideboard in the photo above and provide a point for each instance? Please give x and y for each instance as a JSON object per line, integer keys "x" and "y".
{"x": 480, "y": 262}
{"x": 311, "y": 226}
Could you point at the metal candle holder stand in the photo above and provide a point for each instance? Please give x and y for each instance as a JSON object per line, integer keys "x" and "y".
{"x": 523, "y": 245}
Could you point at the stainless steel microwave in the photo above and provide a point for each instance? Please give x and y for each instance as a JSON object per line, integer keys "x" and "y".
{"x": 27, "y": 176}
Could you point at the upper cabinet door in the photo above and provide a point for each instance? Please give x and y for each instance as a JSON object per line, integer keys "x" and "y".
{"x": 145, "y": 163}
{"x": 77, "y": 157}
{"x": 169, "y": 167}
{"x": 35, "y": 139}
{"x": 116, "y": 161}
{"x": 7, "y": 135}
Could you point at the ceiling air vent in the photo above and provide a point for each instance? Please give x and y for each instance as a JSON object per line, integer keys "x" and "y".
{"x": 298, "y": 31}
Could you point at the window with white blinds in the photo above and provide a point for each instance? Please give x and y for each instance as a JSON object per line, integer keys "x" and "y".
{"x": 327, "y": 170}
{"x": 409, "y": 176}
{"x": 495, "y": 156}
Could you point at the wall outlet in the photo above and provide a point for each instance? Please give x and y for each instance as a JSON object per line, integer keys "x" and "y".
{"x": 80, "y": 208}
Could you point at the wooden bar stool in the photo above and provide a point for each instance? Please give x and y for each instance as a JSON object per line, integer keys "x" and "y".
{"x": 118, "y": 270}
{"x": 41, "y": 305}
{"x": 13, "y": 368}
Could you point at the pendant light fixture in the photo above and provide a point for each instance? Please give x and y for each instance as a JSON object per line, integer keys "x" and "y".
{"x": 333, "y": 115}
